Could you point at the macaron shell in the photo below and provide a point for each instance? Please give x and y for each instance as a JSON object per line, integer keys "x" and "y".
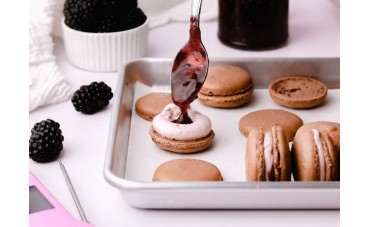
{"x": 181, "y": 146}
{"x": 187, "y": 170}
{"x": 282, "y": 161}
{"x": 298, "y": 92}
{"x": 150, "y": 105}
{"x": 266, "y": 118}
{"x": 331, "y": 158}
{"x": 255, "y": 164}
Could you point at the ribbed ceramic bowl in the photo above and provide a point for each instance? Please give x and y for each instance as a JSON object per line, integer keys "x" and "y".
{"x": 104, "y": 52}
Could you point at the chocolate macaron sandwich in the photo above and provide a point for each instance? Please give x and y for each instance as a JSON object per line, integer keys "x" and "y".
{"x": 226, "y": 86}
{"x": 315, "y": 152}
{"x": 268, "y": 155}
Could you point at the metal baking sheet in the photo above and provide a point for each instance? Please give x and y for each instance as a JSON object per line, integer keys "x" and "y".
{"x": 131, "y": 156}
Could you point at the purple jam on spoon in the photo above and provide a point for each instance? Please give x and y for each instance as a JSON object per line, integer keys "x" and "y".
{"x": 190, "y": 67}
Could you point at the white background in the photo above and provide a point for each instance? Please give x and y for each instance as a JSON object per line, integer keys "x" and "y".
{"x": 103, "y": 205}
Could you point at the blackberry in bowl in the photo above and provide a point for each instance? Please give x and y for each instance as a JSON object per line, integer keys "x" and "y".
{"x": 101, "y": 35}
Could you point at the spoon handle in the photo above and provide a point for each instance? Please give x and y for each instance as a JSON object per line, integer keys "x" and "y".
{"x": 195, "y": 8}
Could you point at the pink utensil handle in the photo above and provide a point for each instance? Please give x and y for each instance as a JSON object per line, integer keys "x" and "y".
{"x": 54, "y": 214}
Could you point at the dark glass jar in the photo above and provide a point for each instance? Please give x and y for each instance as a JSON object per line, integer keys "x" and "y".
{"x": 253, "y": 24}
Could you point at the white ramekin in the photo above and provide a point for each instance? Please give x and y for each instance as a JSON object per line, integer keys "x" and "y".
{"x": 104, "y": 52}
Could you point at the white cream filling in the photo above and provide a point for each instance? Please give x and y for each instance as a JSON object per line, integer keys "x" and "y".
{"x": 316, "y": 138}
{"x": 163, "y": 124}
{"x": 268, "y": 154}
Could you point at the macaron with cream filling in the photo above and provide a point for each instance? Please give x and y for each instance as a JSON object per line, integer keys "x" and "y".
{"x": 314, "y": 156}
{"x": 181, "y": 138}
{"x": 268, "y": 155}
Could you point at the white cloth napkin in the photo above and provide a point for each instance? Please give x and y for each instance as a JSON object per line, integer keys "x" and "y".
{"x": 47, "y": 85}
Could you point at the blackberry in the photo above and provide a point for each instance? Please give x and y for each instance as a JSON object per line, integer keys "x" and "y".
{"x": 135, "y": 18}
{"x": 87, "y": 15}
{"x": 82, "y": 15}
{"x": 92, "y": 98}
{"x": 108, "y": 24}
{"x": 114, "y": 23}
{"x": 46, "y": 141}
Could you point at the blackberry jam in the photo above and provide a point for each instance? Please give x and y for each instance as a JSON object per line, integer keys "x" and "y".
{"x": 189, "y": 72}
{"x": 253, "y": 24}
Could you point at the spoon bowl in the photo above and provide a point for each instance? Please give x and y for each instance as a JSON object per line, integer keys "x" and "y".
{"x": 190, "y": 67}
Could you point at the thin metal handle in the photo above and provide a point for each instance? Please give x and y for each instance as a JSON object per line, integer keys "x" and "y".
{"x": 72, "y": 190}
{"x": 195, "y": 8}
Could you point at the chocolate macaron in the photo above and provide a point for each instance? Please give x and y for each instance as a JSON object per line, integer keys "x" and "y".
{"x": 314, "y": 156}
{"x": 149, "y": 105}
{"x": 226, "y": 86}
{"x": 298, "y": 92}
{"x": 266, "y": 118}
{"x": 187, "y": 170}
{"x": 268, "y": 155}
